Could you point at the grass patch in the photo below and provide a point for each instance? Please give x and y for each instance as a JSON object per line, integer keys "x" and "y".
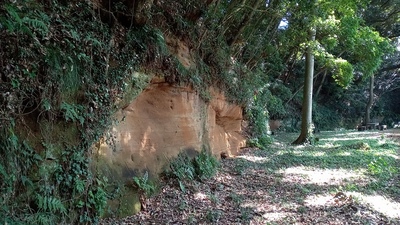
{"x": 368, "y": 154}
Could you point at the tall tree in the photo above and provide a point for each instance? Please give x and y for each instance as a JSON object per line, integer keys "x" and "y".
{"x": 306, "y": 112}
{"x": 342, "y": 45}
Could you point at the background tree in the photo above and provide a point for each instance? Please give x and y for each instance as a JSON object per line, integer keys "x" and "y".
{"x": 384, "y": 16}
{"x": 343, "y": 46}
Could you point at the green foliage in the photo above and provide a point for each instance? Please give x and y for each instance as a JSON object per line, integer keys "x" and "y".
{"x": 19, "y": 22}
{"x": 144, "y": 184}
{"x": 50, "y": 204}
{"x": 343, "y": 72}
{"x": 76, "y": 180}
{"x": 325, "y": 117}
{"x": 261, "y": 142}
{"x": 371, "y": 158}
{"x": 359, "y": 146}
{"x": 17, "y": 159}
{"x": 253, "y": 142}
{"x": 181, "y": 168}
{"x": 381, "y": 166}
{"x": 63, "y": 62}
{"x": 257, "y": 114}
{"x": 72, "y": 112}
{"x": 58, "y": 71}
{"x": 370, "y": 48}
{"x": 213, "y": 216}
{"x": 201, "y": 167}
{"x": 205, "y": 165}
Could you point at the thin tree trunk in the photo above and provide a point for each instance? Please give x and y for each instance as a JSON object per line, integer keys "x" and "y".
{"x": 370, "y": 100}
{"x": 320, "y": 85}
{"x": 301, "y": 87}
{"x": 306, "y": 111}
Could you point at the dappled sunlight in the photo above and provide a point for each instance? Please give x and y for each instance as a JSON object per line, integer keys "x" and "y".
{"x": 379, "y": 203}
{"x": 344, "y": 154}
{"x": 126, "y": 137}
{"x": 387, "y": 154}
{"x": 255, "y": 159}
{"x": 327, "y": 145}
{"x": 293, "y": 185}
{"x": 223, "y": 177}
{"x": 320, "y": 176}
{"x": 280, "y": 152}
{"x": 200, "y": 196}
{"x": 318, "y": 200}
{"x": 319, "y": 154}
{"x": 352, "y": 138}
{"x": 310, "y": 153}
{"x": 277, "y": 216}
{"x": 260, "y": 200}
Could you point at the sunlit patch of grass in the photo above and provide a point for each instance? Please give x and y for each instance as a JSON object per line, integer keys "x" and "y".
{"x": 254, "y": 158}
{"x": 347, "y": 152}
{"x": 327, "y": 145}
{"x": 361, "y": 162}
{"x": 380, "y": 203}
{"x": 321, "y": 176}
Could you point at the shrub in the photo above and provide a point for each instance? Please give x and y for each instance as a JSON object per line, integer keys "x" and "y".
{"x": 144, "y": 184}
{"x": 205, "y": 165}
{"x": 201, "y": 167}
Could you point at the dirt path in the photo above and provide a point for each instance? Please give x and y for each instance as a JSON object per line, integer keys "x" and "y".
{"x": 247, "y": 191}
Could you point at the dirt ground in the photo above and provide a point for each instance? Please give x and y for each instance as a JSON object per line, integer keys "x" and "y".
{"x": 245, "y": 191}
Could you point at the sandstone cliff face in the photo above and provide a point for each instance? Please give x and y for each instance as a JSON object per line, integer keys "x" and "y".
{"x": 165, "y": 120}
{"x": 161, "y": 122}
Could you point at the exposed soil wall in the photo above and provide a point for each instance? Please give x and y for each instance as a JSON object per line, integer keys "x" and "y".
{"x": 165, "y": 120}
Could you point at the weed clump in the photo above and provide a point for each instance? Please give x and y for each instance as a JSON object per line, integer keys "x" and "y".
{"x": 201, "y": 167}
{"x": 145, "y": 185}
{"x": 359, "y": 146}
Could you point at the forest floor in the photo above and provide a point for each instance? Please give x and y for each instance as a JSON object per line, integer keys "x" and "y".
{"x": 345, "y": 178}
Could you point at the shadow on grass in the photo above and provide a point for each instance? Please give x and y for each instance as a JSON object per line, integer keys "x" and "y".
{"x": 281, "y": 202}
{"x": 332, "y": 183}
{"x": 372, "y": 163}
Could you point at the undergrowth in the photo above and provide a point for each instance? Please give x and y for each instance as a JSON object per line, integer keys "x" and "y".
{"x": 184, "y": 168}
{"x": 61, "y": 85}
{"x": 67, "y": 66}
{"x": 145, "y": 185}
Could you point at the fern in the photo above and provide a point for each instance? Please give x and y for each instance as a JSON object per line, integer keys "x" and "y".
{"x": 93, "y": 41}
{"x": 41, "y": 219}
{"x": 36, "y": 24}
{"x": 3, "y": 172}
{"x": 13, "y": 13}
{"x": 79, "y": 186}
{"x": 205, "y": 164}
{"x": 71, "y": 112}
{"x": 50, "y": 204}
{"x": 16, "y": 23}
{"x": 26, "y": 24}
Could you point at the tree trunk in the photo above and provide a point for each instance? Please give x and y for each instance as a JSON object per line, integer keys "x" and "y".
{"x": 370, "y": 100}
{"x": 306, "y": 111}
{"x": 320, "y": 85}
